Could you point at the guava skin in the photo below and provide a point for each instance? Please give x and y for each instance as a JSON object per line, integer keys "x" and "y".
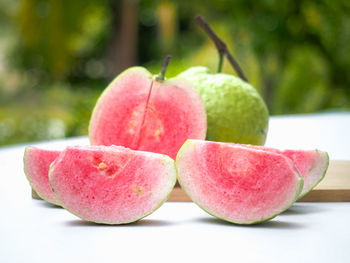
{"x": 235, "y": 110}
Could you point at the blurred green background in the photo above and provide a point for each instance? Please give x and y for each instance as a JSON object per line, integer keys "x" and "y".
{"x": 56, "y": 56}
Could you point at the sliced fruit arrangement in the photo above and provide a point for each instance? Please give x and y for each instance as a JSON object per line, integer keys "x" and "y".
{"x": 36, "y": 167}
{"x": 243, "y": 184}
{"x": 154, "y": 118}
{"x": 237, "y": 184}
{"x": 148, "y": 113}
{"x": 111, "y": 185}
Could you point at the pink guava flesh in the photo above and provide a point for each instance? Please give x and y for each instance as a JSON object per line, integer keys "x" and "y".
{"x": 311, "y": 164}
{"x": 111, "y": 185}
{"x": 159, "y": 119}
{"x": 36, "y": 167}
{"x": 237, "y": 184}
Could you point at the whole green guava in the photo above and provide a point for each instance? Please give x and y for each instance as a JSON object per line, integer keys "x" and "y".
{"x": 235, "y": 110}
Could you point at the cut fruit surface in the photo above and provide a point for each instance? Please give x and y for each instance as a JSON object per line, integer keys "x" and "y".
{"x": 311, "y": 164}
{"x": 36, "y": 167}
{"x": 144, "y": 114}
{"x": 237, "y": 184}
{"x": 111, "y": 185}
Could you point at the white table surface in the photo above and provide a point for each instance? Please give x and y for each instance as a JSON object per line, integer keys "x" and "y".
{"x": 34, "y": 231}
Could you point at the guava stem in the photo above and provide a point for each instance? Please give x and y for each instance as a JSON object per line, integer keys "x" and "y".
{"x": 220, "y": 46}
{"x": 221, "y": 60}
{"x": 165, "y": 64}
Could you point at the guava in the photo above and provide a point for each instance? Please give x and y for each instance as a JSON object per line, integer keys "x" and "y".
{"x": 235, "y": 110}
{"x": 143, "y": 112}
{"x": 111, "y": 185}
{"x": 311, "y": 164}
{"x": 238, "y": 184}
{"x": 36, "y": 168}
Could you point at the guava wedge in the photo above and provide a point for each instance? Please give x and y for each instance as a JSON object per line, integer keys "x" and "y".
{"x": 111, "y": 185}
{"x": 142, "y": 113}
{"x": 238, "y": 184}
{"x": 311, "y": 164}
{"x": 36, "y": 168}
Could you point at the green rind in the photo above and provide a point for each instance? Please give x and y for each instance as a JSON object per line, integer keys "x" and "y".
{"x": 326, "y": 158}
{"x": 30, "y": 183}
{"x": 300, "y": 188}
{"x": 136, "y": 69}
{"x": 126, "y": 222}
{"x": 237, "y": 114}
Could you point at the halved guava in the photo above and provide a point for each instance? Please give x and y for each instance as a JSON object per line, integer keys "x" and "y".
{"x": 141, "y": 113}
{"x": 238, "y": 184}
{"x": 36, "y": 168}
{"x": 311, "y": 164}
{"x": 111, "y": 185}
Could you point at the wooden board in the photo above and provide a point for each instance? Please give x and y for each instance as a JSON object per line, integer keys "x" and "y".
{"x": 335, "y": 187}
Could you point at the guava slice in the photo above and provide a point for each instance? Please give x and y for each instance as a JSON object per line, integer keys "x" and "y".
{"x": 111, "y": 185}
{"x": 311, "y": 164}
{"x": 140, "y": 113}
{"x": 238, "y": 184}
{"x": 36, "y": 168}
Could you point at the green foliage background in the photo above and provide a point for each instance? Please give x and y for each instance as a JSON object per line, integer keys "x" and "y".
{"x": 55, "y": 55}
